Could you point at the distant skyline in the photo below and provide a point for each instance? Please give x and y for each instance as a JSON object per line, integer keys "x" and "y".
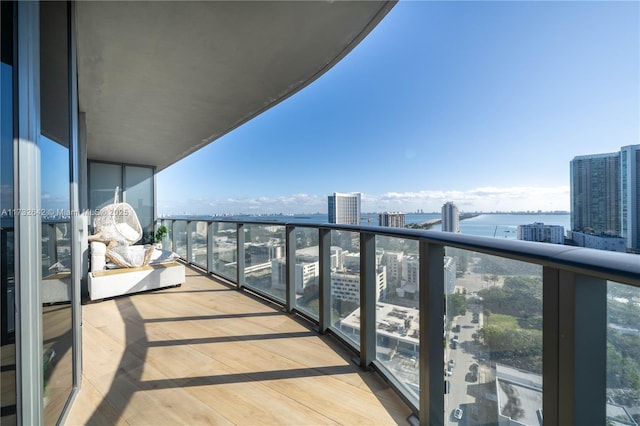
{"x": 479, "y": 103}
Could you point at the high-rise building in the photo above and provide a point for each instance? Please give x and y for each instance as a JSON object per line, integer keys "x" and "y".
{"x": 630, "y": 195}
{"x": 604, "y": 194}
{"x": 391, "y": 219}
{"x": 450, "y": 217}
{"x": 595, "y": 193}
{"x": 344, "y": 208}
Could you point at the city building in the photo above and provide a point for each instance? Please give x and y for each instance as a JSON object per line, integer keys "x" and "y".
{"x": 519, "y": 397}
{"x": 397, "y": 328}
{"x": 345, "y": 285}
{"x": 450, "y": 217}
{"x": 393, "y": 262}
{"x": 410, "y": 277}
{"x": 630, "y": 195}
{"x": 542, "y": 233}
{"x": 306, "y": 274}
{"x": 391, "y": 219}
{"x": 344, "y": 209}
{"x": 599, "y": 242}
{"x": 604, "y": 195}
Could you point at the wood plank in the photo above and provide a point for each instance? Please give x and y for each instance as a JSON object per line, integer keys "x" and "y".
{"x": 205, "y": 353}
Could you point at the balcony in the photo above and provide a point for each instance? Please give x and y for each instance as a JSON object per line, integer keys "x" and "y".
{"x": 530, "y": 331}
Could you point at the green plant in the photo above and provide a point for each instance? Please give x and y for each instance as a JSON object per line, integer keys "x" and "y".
{"x": 161, "y": 232}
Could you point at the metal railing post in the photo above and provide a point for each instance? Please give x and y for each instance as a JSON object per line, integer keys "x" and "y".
{"x": 52, "y": 246}
{"x": 173, "y": 235}
{"x": 368, "y": 284}
{"x": 210, "y": 238}
{"x": 290, "y": 262}
{"x": 550, "y": 349}
{"x": 189, "y": 241}
{"x": 431, "y": 359}
{"x": 324, "y": 292}
{"x": 240, "y": 255}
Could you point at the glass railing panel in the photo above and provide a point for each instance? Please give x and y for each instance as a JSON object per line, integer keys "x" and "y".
{"x": 199, "y": 243}
{"x": 180, "y": 238}
{"x": 307, "y": 271}
{"x": 167, "y": 242}
{"x": 265, "y": 259}
{"x": 623, "y": 354}
{"x": 397, "y": 313}
{"x": 345, "y": 284}
{"x": 493, "y": 339}
{"x": 225, "y": 250}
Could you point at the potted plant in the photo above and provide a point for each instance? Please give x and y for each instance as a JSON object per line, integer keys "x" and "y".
{"x": 161, "y": 232}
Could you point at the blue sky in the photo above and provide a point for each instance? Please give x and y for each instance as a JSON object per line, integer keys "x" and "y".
{"x": 480, "y": 103}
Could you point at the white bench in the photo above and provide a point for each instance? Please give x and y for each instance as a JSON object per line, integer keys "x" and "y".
{"x": 117, "y": 282}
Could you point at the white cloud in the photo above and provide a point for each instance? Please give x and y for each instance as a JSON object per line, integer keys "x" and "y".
{"x": 485, "y": 199}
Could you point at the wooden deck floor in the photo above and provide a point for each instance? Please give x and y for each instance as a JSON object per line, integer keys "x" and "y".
{"x": 204, "y": 353}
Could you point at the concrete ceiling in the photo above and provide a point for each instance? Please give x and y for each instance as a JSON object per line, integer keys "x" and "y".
{"x": 159, "y": 80}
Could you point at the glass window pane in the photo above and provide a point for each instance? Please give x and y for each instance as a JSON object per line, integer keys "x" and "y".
{"x": 265, "y": 260}
{"x": 623, "y": 354}
{"x": 397, "y": 314}
{"x": 138, "y": 192}
{"x": 345, "y": 284}
{"x": 225, "y": 247}
{"x": 180, "y": 238}
{"x": 199, "y": 244}
{"x": 7, "y": 264}
{"x": 167, "y": 241}
{"x": 57, "y": 345}
{"x": 307, "y": 274}
{"x": 103, "y": 180}
{"x": 493, "y": 337}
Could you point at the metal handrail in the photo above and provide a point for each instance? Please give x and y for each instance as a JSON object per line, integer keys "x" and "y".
{"x": 613, "y": 266}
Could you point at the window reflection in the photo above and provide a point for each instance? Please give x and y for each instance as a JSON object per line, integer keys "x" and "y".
{"x": 55, "y": 283}
{"x": 7, "y": 265}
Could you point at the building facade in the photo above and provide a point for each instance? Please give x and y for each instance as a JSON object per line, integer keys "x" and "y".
{"x": 541, "y": 233}
{"x": 344, "y": 208}
{"x": 604, "y": 195}
{"x": 629, "y": 195}
{"x": 391, "y": 219}
{"x": 595, "y": 194}
{"x": 450, "y": 217}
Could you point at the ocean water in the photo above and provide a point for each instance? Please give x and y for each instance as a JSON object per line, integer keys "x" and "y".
{"x": 486, "y": 224}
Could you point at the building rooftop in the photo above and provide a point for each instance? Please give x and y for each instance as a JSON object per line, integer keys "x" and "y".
{"x": 391, "y": 321}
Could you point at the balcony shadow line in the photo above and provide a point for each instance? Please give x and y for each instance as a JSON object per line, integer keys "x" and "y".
{"x": 227, "y": 379}
{"x": 226, "y": 339}
{"x": 214, "y": 317}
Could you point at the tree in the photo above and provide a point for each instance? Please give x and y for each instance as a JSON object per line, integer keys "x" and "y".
{"x": 518, "y": 297}
{"x": 456, "y": 303}
{"x": 622, "y": 372}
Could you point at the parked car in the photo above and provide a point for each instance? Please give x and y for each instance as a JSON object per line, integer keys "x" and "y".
{"x": 457, "y": 413}
{"x": 452, "y": 363}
